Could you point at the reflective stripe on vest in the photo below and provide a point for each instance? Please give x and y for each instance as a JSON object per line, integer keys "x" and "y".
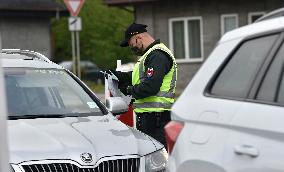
{"x": 166, "y": 94}
{"x": 153, "y": 105}
{"x": 164, "y": 99}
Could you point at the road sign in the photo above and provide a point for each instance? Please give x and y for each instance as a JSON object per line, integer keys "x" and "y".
{"x": 74, "y": 6}
{"x": 75, "y": 23}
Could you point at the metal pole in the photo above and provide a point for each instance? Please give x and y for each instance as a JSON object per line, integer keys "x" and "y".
{"x": 78, "y": 54}
{"x": 73, "y": 53}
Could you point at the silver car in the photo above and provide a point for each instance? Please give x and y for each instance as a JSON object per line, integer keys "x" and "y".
{"x": 57, "y": 124}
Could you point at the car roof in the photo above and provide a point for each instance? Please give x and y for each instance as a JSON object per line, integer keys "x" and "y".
{"x": 26, "y": 59}
{"x": 82, "y": 62}
{"x": 276, "y": 13}
{"x": 254, "y": 29}
{"x": 66, "y": 64}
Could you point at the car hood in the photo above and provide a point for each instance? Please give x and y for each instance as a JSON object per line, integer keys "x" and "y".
{"x": 68, "y": 138}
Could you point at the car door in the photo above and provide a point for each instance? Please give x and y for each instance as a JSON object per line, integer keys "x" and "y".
{"x": 3, "y": 129}
{"x": 256, "y": 138}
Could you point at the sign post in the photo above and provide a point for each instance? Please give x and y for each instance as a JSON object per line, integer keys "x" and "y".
{"x": 75, "y": 26}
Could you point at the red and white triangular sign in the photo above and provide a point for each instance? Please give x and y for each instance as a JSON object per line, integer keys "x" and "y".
{"x": 74, "y": 6}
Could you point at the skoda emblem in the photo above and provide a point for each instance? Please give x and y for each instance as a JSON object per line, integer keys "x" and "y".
{"x": 86, "y": 157}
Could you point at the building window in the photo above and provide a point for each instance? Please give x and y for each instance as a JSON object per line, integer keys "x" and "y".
{"x": 229, "y": 22}
{"x": 186, "y": 38}
{"x": 253, "y": 16}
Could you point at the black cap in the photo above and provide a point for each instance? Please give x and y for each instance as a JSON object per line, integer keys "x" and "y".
{"x": 132, "y": 30}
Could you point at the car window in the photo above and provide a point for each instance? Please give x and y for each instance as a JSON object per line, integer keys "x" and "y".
{"x": 280, "y": 96}
{"x": 237, "y": 76}
{"x": 271, "y": 80}
{"x": 44, "y": 92}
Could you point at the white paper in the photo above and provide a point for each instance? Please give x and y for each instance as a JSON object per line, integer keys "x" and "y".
{"x": 113, "y": 88}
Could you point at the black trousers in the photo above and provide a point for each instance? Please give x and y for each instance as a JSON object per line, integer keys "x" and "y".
{"x": 153, "y": 124}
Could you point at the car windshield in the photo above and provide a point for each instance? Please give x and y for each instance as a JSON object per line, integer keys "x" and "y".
{"x": 46, "y": 92}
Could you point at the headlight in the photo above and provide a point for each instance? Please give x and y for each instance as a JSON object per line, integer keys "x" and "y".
{"x": 156, "y": 161}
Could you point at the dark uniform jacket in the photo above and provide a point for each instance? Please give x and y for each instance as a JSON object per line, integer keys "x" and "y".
{"x": 161, "y": 64}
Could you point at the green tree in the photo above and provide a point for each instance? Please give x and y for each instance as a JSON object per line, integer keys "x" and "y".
{"x": 103, "y": 29}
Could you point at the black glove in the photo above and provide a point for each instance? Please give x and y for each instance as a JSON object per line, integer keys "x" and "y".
{"x": 129, "y": 90}
{"x": 116, "y": 73}
{"x": 122, "y": 87}
{"x": 105, "y": 73}
{"x": 110, "y": 71}
{"x": 102, "y": 74}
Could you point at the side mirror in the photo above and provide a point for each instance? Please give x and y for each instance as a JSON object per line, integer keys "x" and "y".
{"x": 116, "y": 105}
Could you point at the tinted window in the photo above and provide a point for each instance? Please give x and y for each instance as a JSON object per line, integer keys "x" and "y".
{"x": 269, "y": 85}
{"x": 280, "y": 98}
{"x": 238, "y": 74}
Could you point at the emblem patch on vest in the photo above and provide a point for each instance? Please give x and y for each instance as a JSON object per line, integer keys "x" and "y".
{"x": 150, "y": 72}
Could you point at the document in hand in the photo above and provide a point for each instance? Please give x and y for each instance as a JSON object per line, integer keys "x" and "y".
{"x": 112, "y": 81}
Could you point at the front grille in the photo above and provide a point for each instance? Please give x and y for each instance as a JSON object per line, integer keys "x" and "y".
{"x": 120, "y": 165}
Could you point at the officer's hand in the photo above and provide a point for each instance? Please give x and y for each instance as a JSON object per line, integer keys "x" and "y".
{"x": 103, "y": 74}
{"x": 129, "y": 90}
{"x": 116, "y": 73}
{"x": 122, "y": 87}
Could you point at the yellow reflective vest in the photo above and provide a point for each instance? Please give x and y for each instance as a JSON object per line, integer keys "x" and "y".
{"x": 164, "y": 99}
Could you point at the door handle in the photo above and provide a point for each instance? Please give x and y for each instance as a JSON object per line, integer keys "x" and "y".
{"x": 246, "y": 150}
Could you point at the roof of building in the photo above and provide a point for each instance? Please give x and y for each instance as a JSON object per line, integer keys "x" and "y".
{"x": 125, "y": 2}
{"x": 13, "y": 7}
{"x": 37, "y": 5}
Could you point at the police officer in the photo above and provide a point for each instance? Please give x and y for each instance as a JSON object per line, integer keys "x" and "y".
{"x": 152, "y": 82}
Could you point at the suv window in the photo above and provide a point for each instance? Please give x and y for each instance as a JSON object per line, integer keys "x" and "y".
{"x": 280, "y": 97}
{"x": 46, "y": 92}
{"x": 271, "y": 80}
{"x": 238, "y": 74}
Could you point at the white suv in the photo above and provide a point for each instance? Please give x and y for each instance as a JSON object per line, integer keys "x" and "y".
{"x": 230, "y": 118}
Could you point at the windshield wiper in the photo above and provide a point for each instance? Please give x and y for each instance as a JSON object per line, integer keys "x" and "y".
{"x": 84, "y": 114}
{"x": 15, "y": 117}
{"x": 38, "y": 116}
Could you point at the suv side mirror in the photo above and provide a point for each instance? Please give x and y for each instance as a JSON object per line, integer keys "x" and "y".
{"x": 116, "y": 105}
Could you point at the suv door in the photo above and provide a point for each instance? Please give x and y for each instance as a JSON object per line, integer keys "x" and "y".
{"x": 3, "y": 129}
{"x": 256, "y": 137}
